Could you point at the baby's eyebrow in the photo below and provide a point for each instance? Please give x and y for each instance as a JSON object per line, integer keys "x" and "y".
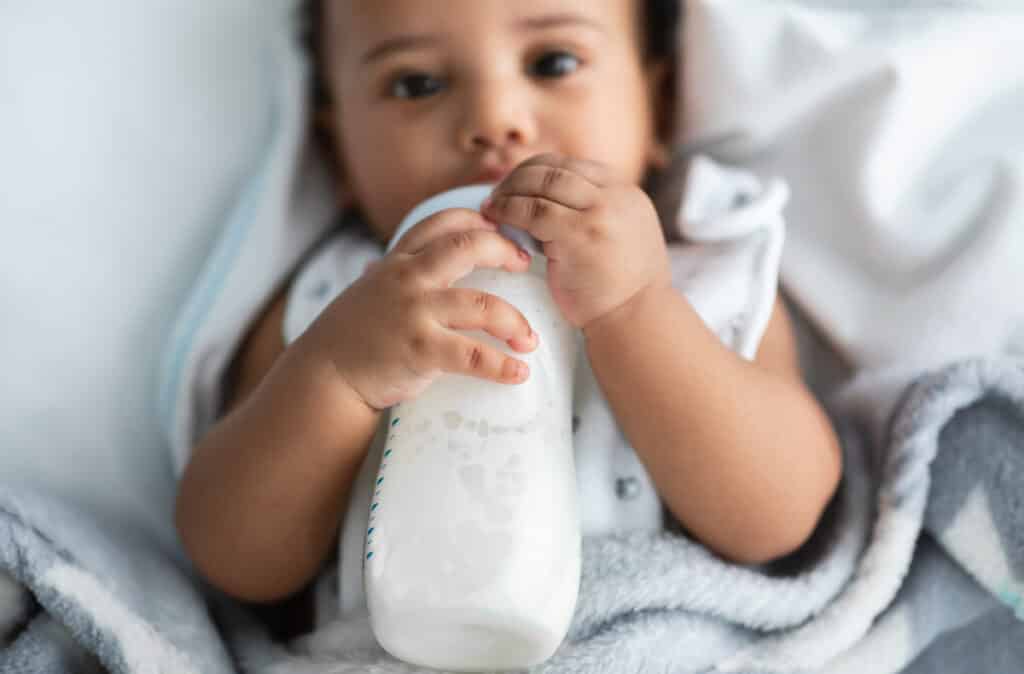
{"x": 558, "y": 20}
{"x": 400, "y": 43}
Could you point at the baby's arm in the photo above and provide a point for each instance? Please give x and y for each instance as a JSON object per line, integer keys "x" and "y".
{"x": 741, "y": 452}
{"x": 266, "y": 488}
{"x": 261, "y": 499}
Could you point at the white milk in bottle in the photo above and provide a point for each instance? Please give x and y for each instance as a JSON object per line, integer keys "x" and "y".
{"x": 472, "y": 558}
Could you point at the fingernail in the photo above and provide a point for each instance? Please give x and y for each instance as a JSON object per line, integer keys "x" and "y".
{"x": 513, "y": 369}
{"x": 525, "y": 254}
{"x": 487, "y": 203}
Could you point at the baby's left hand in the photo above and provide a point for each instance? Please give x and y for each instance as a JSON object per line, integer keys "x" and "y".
{"x": 601, "y": 236}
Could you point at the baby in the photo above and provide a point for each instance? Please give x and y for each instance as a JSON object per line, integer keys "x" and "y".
{"x": 567, "y": 106}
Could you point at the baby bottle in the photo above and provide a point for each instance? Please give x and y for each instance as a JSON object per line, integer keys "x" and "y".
{"x": 472, "y": 558}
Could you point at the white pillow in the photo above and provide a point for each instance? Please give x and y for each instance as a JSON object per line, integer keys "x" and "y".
{"x": 127, "y": 132}
{"x": 898, "y": 126}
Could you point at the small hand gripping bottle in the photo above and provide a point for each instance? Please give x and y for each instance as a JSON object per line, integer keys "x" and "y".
{"x": 472, "y": 559}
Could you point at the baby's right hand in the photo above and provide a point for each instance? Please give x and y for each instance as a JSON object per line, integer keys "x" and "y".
{"x": 393, "y": 331}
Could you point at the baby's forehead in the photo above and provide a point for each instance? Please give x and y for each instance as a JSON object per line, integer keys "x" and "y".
{"x": 360, "y": 21}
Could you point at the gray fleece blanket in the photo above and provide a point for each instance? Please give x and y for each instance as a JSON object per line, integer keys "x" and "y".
{"x": 924, "y": 539}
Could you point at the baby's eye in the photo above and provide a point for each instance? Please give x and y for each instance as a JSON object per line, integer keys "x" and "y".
{"x": 415, "y": 85}
{"x": 555, "y": 64}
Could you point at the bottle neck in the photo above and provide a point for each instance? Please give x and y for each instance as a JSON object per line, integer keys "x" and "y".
{"x": 523, "y": 238}
{"x": 468, "y": 196}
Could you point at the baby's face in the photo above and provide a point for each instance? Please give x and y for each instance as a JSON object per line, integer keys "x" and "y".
{"x": 430, "y": 95}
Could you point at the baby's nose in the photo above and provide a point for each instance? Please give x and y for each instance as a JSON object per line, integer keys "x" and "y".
{"x": 495, "y": 119}
{"x": 485, "y": 139}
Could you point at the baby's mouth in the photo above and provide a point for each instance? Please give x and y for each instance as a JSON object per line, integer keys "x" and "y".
{"x": 492, "y": 174}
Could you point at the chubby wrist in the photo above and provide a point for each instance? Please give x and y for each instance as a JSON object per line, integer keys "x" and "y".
{"x": 315, "y": 377}
{"x": 628, "y": 315}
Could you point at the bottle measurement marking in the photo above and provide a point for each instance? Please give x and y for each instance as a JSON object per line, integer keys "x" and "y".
{"x": 377, "y": 493}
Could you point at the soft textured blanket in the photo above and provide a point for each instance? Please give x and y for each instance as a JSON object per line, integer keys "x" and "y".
{"x": 102, "y": 595}
{"x": 923, "y": 540}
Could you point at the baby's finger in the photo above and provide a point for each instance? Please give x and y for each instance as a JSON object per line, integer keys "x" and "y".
{"x": 439, "y": 224}
{"x": 447, "y": 259}
{"x": 464, "y": 355}
{"x": 470, "y": 309}
{"x": 546, "y": 220}
{"x": 596, "y": 173}
{"x": 555, "y": 183}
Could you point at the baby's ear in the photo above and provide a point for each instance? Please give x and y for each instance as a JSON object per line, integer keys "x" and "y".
{"x": 662, "y": 92}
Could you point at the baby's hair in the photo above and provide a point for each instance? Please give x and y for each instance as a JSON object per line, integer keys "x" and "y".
{"x": 661, "y": 19}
